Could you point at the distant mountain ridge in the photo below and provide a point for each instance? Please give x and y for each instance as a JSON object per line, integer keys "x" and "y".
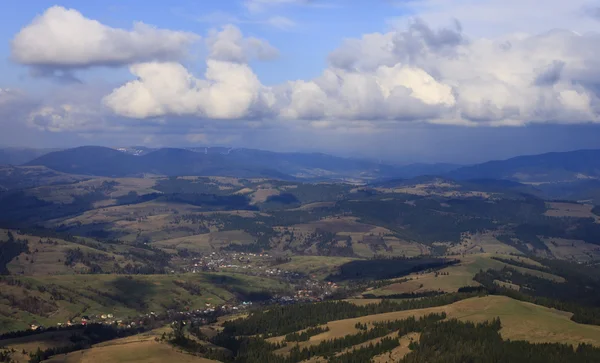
{"x": 102, "y": 161}
{"x": 550, "y": 167}
{"x": 244, "y": 163}
{"x": 555, "y": 167}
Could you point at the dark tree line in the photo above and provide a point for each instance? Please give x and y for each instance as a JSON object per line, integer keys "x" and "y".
{"x": 329, "y": 347}
{"x": 518, "y": 263}
{"x": 29, "y": 332}
{"x": 440, "y": 341}
{"x": 305, "y": 335}
{"x": 282, "y": 320}
{"x": 364, "y": 354}
{"x": 455, "y": 341}
{"x": 258, "y": 350}
{"x": 405, "y": 295}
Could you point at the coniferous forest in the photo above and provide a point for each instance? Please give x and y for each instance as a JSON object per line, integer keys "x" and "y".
{"x": 441, "y": 341}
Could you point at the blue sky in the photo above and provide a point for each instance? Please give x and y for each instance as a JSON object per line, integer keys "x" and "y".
{"x": 328, "y": 25}
{"x": 419, "y": 80}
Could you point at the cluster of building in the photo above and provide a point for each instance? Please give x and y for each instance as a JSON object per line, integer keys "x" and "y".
{"x": 217, "y": 261}
{"x": 108, "y": 319}
{"x": 206, "y": 313}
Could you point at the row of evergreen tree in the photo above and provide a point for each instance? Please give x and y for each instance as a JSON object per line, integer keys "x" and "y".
{"x": 282, "y": 320}
{"x": 454, "y": 341}
{"x": 441, "y": 341}
{"x": 305, "y": 335}
{"x": 365, "y": 354}
{"x": 257, "y": 350}
{"x": 518, "y": 263}
{"x": 330, "y": 347}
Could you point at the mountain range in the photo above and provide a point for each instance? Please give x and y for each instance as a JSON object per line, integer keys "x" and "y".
{"x": 571, "y": 169}
{"x": 244, "y": 163}
{"x": 550, "y": 167}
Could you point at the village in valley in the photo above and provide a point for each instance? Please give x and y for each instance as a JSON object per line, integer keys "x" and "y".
{"x": 305, "y": 289}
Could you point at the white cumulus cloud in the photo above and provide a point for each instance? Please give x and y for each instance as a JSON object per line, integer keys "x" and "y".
{"x": 413, "y": 74}
{"x": 443, "y": 76}
{"x": 230, "y": 45}
{"x": 63, "y": 38}
{"x": 229, "y": 91}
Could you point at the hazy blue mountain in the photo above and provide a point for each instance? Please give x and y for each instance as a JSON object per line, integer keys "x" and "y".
{"x": 550, "y": 167}
{"x": 90, "y": 160}
{"x": 94, "y": 160}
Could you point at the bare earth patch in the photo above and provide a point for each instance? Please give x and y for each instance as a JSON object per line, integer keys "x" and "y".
{"x": 261, "y": 195}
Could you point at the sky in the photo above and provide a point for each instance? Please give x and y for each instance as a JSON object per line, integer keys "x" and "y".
{"x": 459, "y": 81}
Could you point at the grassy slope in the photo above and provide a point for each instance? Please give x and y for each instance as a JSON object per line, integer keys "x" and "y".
{"x": 482, "y": 242}
{"x": 49, "y": 258}
{"x": 207, "y": 242}
{"x": 124, "y": 296}
{"x": 66, "y": 193}
{"x": 520, "y": 321}
{"x": 147, "y": 351}
{"x": 138, "y": 348}
{"x": 361, "y": 234}
{"x": 33, "y": 342}
{"x": 458, "y": 276}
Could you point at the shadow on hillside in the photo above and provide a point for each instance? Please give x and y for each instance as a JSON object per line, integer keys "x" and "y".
{"x": 132, "y": 293}
{"x": 223, "y": 280}
{"x": 239, "y": 288}
{"x": 378, "y": 269}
